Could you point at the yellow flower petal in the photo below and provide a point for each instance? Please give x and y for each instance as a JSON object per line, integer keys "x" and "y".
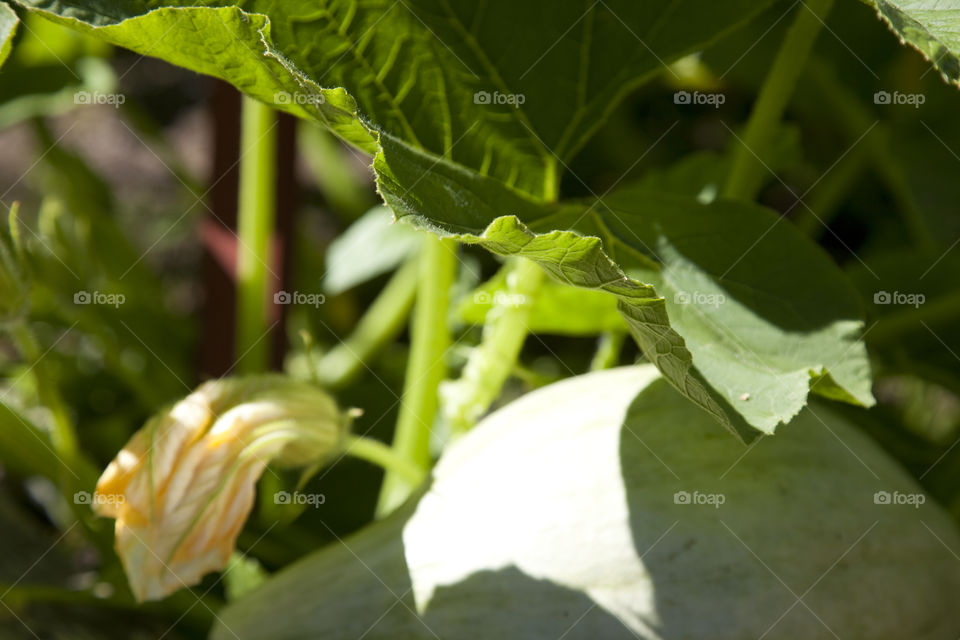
{"x": 183, "y": 486}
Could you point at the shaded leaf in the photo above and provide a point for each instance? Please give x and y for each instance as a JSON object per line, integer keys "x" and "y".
{"x": 508, "y": 90}
{"x": 370, "y": 247}
{"x": 676, "y": 516}
{"x": 736, "y": 308}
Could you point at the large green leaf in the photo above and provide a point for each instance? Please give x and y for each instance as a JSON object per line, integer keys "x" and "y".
{"x": 665, "y": 530}
{"x": 788, "y": 316}
{"x": 429, "y": 71}
{"x": 412, "y": 82}
{"x": 932, "y": 27}
{"x": 734, "y": 306}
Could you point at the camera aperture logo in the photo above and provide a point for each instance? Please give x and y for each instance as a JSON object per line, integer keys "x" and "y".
{"x": 896, "y": 498}
{"x": 97, "y": 297}
{"x": 512, "y": 99}
{"x": 699, "y": 98}
{"x": 912, "y": 99}
{"x": 98, "y": 97}
{"x": 911, "y": 299}
{"x": 500, "y": 299}
{"x": 299, "y": 298}
{"x": 697, "y": 498}
{"x": 297, "y": 498}
{"x": 85, "y": 497}
{"x": 699, "y": 298}
{"x": 285, "y": 97}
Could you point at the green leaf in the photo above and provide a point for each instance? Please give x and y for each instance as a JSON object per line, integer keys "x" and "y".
{"x": 370, "y": 247}
{"x": 633, "y": 514}
{"x": 49, "y": 66}
{"x": 932, "y": 27}
{"x": 242, "y": 575}
{"x": 557, "y": 308}
{"x": 735, "y": 307}
{"x": 25, "y": 449}
{"x": 470, "y": 113}
{"x": 509, "y": 90}
{"x": 8, "y": 28}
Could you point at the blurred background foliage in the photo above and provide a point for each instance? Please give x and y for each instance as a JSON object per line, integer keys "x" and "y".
{"x": 112, "y": 200}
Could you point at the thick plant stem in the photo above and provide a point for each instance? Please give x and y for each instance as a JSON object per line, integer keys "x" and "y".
{"x": 377, "y": 453}
{"x": 379, "y": 325}
{"x": 608, "y": 350}
{"x": 255, "y": 221}
{"x": 426, "y": 367}
{"x": 747, "y": 169}
{"x": 491, "y": 362}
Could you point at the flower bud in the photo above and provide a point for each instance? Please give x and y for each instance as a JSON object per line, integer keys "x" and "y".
{"x": 183, "y": 486}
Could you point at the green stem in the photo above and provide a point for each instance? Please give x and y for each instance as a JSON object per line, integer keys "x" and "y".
{"x": 348, "y": 194}
{"x": 747, "y": 170}
{"x": 891, "y": 170}
{"x": 608, "y": 350}
{"x": 255, "y": 222}
{"x": 376, "y": 452}
{"x": 492, "y": 361}
{"x": 532, "y": 378}
{"x": 815, "y": 215}
{"x": 381, "y": 323}
{"x": 842, "y": 104}
{"x": 426, "y": 367}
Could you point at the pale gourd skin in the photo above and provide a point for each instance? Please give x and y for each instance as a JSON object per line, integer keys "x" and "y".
{"x": 557, "y": 516}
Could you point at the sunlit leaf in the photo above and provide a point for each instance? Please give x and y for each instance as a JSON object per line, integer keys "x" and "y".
{"x": 8, "y": 28}
{"x": 932, "y": 27}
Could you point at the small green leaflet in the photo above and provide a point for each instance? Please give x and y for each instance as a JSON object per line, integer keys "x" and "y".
{"x": 8, "y": 28}
{"x": 558, "y": 308}
{"x": 932, "y": 27}
{"x": 370, "y": 247}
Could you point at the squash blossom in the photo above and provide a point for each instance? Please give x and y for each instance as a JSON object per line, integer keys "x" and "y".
{"x": 183, "y": 486}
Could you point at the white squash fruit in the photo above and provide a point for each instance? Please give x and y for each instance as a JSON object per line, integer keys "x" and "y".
{"x": 608, "y": 506}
